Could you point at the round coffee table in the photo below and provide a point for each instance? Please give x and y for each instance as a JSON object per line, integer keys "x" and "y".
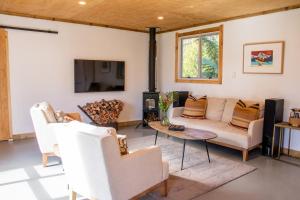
{"x": 187, "y": 134}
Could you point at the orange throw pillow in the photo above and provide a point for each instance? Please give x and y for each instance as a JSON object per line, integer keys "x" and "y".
{"x": 195, "y": 108}
{"x": 243, "y": 114}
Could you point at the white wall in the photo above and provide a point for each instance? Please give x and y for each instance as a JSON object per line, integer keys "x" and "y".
{"x": 41, "y": 66}
{"x": 278, "y": 26}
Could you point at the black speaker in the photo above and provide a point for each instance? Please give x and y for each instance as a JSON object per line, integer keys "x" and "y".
{"x": 182, "y": 96}
{"x": 273, "y": 114}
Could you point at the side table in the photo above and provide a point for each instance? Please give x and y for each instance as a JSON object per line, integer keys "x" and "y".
{"x": 282, "y": 126}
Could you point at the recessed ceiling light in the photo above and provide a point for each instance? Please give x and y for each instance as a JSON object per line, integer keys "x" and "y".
{"x": 82, "y": 3}
{"x": 160, "y": 17}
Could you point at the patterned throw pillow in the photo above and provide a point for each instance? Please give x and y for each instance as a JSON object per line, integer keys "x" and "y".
{"x": 48, "y": 112}
{"x": 195, "y": 108}
{"x": 243, "y": 114}
{"x": 59, "y": 115}
{"x": 122, "y": 139}
{"x": 62, "y": 117}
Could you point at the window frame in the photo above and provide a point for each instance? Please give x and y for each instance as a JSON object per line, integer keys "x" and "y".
{"x": 178, "y": 55}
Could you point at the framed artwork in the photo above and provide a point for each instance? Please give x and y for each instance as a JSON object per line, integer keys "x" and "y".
{"x": 263, "y": 58}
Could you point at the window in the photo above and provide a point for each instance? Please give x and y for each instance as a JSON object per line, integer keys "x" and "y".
{"x": 199, "y": 56}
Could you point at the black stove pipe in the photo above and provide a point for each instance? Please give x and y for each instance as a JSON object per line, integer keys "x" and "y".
{"x": 152, "y": 59}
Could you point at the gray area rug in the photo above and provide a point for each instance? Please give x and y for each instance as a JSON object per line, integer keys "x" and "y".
{"x": 199, "y": 176}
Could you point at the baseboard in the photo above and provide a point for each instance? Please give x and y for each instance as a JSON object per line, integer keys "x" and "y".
{"x": 129, "y": 123}
{"x": 23, "y": 136}
{"x": 293, "y": 153}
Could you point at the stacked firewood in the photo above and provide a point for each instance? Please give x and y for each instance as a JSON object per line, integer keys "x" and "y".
{"x": 151, "y": 117}
{"x": 103, "y": 112}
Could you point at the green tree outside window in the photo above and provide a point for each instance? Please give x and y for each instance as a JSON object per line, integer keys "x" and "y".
{"x": 200, "y": 56}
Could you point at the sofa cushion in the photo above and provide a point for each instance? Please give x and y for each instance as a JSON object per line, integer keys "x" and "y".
{"x": 243, "y": 114}
{"x": 195, "y": 108}
{"x": 48, "y": 112}
{"x": 226, "y": 133}
{"x": 215, "y": 108}
{"x": 228, "y": 109}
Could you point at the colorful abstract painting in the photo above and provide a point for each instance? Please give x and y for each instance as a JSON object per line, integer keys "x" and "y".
{"x": 262, "y": 58}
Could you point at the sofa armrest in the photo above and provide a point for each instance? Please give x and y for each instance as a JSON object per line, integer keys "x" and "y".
{"x": 255, "y": 131}
{"x": 175, "y": 112}
{"x": 144, "y": 168}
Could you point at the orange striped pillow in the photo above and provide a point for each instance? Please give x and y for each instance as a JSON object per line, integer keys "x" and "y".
{"x": 243, "y": 114}
{"x": 195, "y": 108}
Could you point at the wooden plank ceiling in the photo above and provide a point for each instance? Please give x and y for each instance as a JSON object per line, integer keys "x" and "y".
{"x": 139, "y": 14}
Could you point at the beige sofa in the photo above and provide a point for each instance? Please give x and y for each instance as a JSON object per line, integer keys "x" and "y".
{"x": 218, "y": 116}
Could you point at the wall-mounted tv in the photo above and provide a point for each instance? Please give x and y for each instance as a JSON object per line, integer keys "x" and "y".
{"x": 99, "y": 75}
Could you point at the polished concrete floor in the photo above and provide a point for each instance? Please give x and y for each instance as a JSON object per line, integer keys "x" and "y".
{"x": 21, "y": 174}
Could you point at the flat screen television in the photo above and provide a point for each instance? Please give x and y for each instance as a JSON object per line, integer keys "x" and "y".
{"x": 99, "y": 75}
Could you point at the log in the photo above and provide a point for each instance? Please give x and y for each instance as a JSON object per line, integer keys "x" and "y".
{"x": 103, "y": 112}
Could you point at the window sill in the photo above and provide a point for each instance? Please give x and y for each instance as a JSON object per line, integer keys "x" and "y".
{"x": 204, "y": 81}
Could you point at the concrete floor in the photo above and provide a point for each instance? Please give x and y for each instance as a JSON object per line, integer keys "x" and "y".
{"x": 20, "y": 168}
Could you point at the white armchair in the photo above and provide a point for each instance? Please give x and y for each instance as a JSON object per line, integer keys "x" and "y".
{"x": 44, "y": 122}
{"x": 95, "y": 169}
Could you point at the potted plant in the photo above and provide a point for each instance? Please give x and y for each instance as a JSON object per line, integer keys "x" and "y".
{"x": 165, "y": 100}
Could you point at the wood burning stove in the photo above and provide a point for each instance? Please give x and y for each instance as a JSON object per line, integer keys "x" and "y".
{"x": 150, "y": 107}
{"x": 150, "y": 98}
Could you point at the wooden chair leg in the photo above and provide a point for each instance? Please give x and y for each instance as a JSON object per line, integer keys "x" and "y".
{"x": 72, "y": 195}
{"x": 165, "y": 189}
{"x": 245, "y": 155}
{"x": 45, "y": 159}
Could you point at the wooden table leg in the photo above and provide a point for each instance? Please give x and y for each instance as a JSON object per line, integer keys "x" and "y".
{"x": 72, "y": 195}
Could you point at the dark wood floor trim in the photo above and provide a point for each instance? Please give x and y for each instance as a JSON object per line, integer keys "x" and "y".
{"x": 23, "y": 136}
{"x": 129, "y": 123}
